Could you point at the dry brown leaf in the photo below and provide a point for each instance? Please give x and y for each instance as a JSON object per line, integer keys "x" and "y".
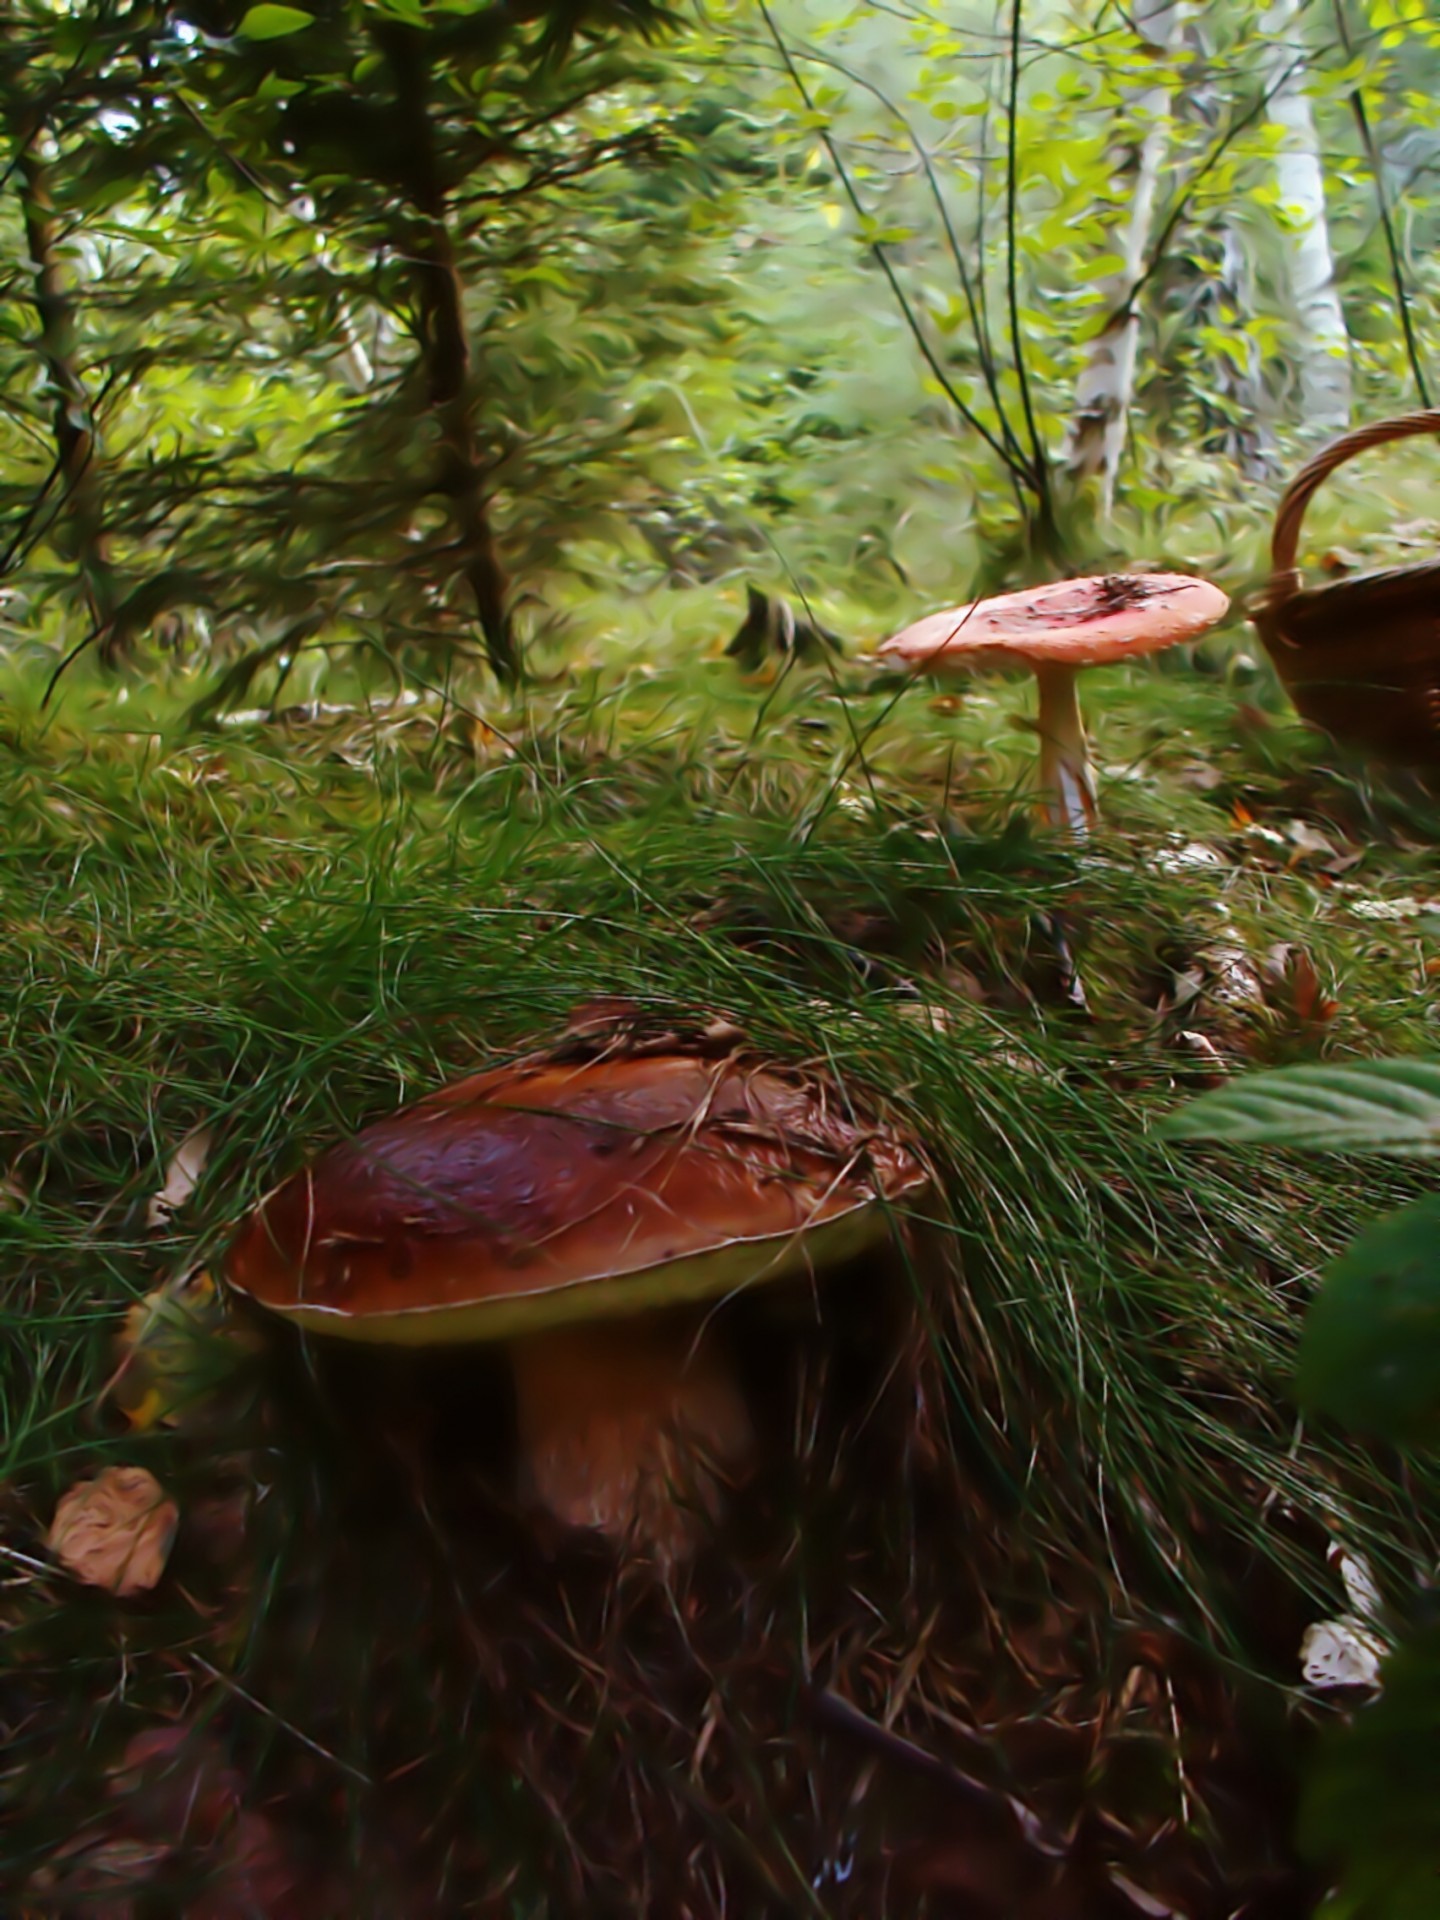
{"x": 1293, "y": 985}
{"x": 1211, "y": 1063}
{"x": 115, "y": 1531}
{"x": 181, "y": 1177}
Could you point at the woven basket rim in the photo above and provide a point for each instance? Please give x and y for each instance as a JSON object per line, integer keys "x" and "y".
{"x": 1380, "y": 584}
{"x": 1290, "y": 512}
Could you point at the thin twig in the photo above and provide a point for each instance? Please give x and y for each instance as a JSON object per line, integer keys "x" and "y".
{"x": 1040, "y": 473}
{"x": 978, "y": 325}
{"x": 1019, "y": 473}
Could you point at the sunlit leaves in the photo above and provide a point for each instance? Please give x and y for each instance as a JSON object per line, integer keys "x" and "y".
{"x": 274, "y": 22}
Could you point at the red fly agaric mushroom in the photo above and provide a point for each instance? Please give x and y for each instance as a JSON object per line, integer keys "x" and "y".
{"x": 1056, "y": 630}
{"x": 589, "y": 1215}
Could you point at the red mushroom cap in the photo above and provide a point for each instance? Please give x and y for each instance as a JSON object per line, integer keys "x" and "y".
{"x": 1078, "y": 623}
{"x": 532, "y": 1195}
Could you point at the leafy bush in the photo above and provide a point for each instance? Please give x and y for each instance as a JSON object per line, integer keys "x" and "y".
{"x": 1369, "y": 1357}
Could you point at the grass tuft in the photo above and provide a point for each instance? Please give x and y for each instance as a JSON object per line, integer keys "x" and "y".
{"x": 1040, "y": 1521}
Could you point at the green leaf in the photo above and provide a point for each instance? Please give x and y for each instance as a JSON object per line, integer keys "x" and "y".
{"x": 274, "y": 23}
{"x": 1373, "y": 1106}
{"x": 1370, "y": 1352}
{"x": 1371, "y": 1807}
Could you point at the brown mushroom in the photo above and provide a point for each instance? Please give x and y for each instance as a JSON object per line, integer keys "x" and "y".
{"x": 588, "y": 1214}
{"x": 1056, "y": 630}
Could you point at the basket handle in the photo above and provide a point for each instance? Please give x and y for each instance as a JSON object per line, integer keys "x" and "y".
{"x": 1297, "y": 495}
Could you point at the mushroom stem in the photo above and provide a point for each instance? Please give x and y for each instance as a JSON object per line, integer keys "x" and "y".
{"x": 612, "y": 1416}
{"x": 1065, "y": 770}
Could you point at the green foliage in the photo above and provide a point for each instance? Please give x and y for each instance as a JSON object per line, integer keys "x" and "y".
{"x": 367, "y": 282}
{"x": 1369, "y": 1359}
{"x": 810, "y": 303}
{"x": 1364, "y": 1106}
{"x": 1373, "y": 1799}
{"x": 1370, "y": 1356}
{"x": 273, "y": 23}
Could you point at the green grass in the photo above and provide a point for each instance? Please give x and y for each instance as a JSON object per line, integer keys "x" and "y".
{"x": 1077, "y": 1360}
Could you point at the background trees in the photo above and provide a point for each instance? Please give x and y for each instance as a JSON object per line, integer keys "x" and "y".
{"x": 373, "y": 324}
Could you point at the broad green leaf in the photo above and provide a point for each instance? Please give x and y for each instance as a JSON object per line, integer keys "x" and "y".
{"x": 1371, "y": 1808}
{"x": 1370, "y": 1352}
{"x": 274, "y": 22}
{"x": 1373, "y": 1106}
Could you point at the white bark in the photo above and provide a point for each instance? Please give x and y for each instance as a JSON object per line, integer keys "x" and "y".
{"x": 1323, "y": 343}
{"x": 352, "y": 359}
{"x": 1096, "y": 437}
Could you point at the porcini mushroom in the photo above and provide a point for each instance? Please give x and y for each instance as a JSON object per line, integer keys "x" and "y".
{"x": 588, "y": 1214}
{"x": 1056, "y": 630}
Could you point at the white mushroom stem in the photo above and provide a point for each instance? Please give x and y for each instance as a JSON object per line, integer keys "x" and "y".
{"x": 1065, "y": 770}
{"x": 624, "y": 1425}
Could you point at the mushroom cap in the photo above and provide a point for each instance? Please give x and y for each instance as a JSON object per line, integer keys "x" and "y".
{"x": 536, "y": 1194}
{"x": 1080, "y": 623}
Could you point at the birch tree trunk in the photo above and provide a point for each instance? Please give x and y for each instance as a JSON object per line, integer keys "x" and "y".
{"x": 1323, "y": 343}
{"x": 1096, "y": 438}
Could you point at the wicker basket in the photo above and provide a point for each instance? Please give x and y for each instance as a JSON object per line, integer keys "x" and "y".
{"x": 1359, "y": 657}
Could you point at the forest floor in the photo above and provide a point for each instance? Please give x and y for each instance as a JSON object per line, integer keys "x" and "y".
{"x": 1010, "y": 1623}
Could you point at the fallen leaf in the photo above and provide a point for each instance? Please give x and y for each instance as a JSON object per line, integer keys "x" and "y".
{"x": 1341, "y": 1653}
{"x": 115, "y": 1531}
{"x": 1293, "y": 985}
{"x": 1206, "y": 1055}
{"x": 1186, "y": 857}
{"x": 1234, "y": 980}
{"x": 1362, "y": 1589}
{"x": 1348, "y": 1651}
{"x": 181, "y": 1177}
{"x": 166, "y": 1353}
{"x": 1308, "y": 843}
{"x": 1406, "y": 907}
